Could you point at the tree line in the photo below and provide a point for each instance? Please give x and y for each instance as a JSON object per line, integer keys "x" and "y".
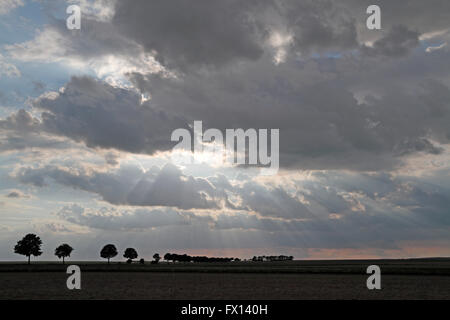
{"x": 187, "y": 258}
{"x": 273, "y": 258}
{"x": 30, "y": 245}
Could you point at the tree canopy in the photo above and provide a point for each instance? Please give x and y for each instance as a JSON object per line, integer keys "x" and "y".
{"x": 28, "y": 246}
{"x": 63, "y": 251}
{"x": 130, "y": 253}
{"x": 156, "y": 257}
{"x": 109, "y": 251}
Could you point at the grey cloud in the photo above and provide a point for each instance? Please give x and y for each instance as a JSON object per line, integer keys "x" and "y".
{"x": 319, "y": 25}
{"x": 112, "y": 159}
{"x": 17, "y": 194}
{"x": 17, "y": 142}
{"x": 409, "y": 208}
{"x": 185, "y": 33}
{"x": 53, "y": 227}
{"x": 169, "y": 187}
{"x": 354, "y": 197}
{"x": 132, "y": 186}
{"x": 424, "y": 16}
{"x": 104, "y": 116}
{"x": 414, "y": 200}
{"x": 339, "y": 210}
{"x": 318, "y": 131}
{"x": 399, "y": 41}
{"x": 275, "y": 202}
{"x": 21, "y": 131}
{"x": 325, "y": 198}
{"x": 114, "y": 219}
{"x": 322, "y": 125}
{"x": 20, "y": 121}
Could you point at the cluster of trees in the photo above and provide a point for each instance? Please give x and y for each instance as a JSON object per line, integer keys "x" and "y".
{"x": 273, "y": 258}
{"x": 186, "y": 258}
{"x": 110, "y": 251}
{"x": 30, "y": 245}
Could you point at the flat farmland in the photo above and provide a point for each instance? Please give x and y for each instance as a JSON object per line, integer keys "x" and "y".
{"x": 401, "y": 279}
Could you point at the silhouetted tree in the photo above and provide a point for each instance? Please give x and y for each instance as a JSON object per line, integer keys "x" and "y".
{"x": 63, "y": 251}
{"x": 142, "y": 261}
{"x": 109, "y": 251}
{"x": 156, "y": 257}
{"x": 130, "y": 254}
{"x": 168, "y": 257}
{"x": 28, "y": 246}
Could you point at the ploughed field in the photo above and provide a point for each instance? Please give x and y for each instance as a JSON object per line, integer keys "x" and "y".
{"x": 400, "y": 279}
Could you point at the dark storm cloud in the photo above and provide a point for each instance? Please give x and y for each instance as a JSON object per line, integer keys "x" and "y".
{"x": 318, "y": 25}
{"x": 321, "y": 124}
{"x": 399, "y": 41}
{"x": 311, "y": 101}
{"x": 186, "y": 35}
{"x": 107, "y": 117}
{"x": 318, "y": 131}
{"x": 192, "y": 33}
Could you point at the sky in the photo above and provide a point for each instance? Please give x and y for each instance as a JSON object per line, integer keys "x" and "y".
{"x": 86, "y": 118}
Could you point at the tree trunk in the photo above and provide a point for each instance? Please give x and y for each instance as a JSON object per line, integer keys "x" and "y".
{"x": 63, "y": 261}
{"x": 28, "y": 259}
{"x": 108, "y": 260}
